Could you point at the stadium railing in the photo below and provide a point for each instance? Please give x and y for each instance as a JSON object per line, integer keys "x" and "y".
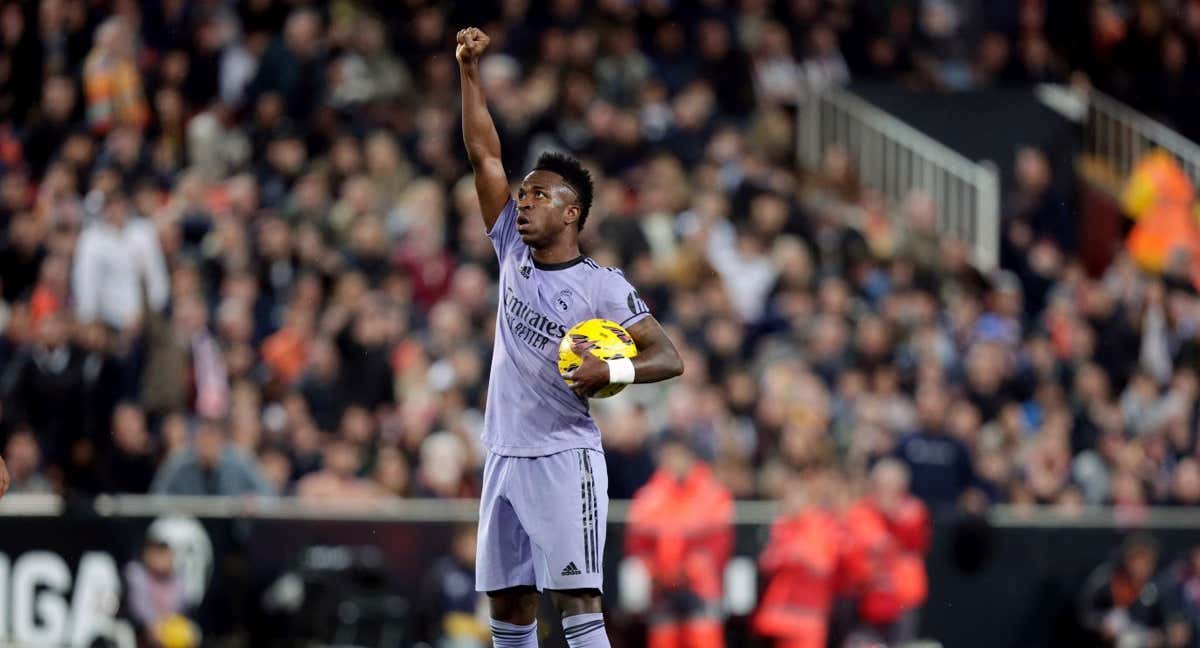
{"x": 1116, "y": 136}
{"x": 747, "y": 512}
{"x": 895, "y": 159}
{"x": 60, "y": 553}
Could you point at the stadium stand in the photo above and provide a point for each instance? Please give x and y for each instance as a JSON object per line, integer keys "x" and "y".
{"x": 239, "y": 251}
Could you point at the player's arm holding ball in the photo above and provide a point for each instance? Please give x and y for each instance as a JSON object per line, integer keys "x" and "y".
{"x": 656, "y": 360}
{"x": 479, "y": 132}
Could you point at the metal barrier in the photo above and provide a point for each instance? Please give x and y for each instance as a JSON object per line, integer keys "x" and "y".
{"x": 1120, "y": 136}
{"x": 295, "y": 508}
{"x": 63, "y": 555}
{"x": 746, "y": 512}
{"x": 896, "y": 159}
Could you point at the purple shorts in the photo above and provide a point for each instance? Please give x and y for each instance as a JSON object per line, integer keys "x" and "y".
{"x": 542, "y": 521}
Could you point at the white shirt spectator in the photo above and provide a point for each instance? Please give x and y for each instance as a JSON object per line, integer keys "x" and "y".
{"x": 111, "y": 265}
{"x": 748, "y": 275}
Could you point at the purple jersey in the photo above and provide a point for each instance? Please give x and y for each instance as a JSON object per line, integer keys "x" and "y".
{"x": 530, "y": 410}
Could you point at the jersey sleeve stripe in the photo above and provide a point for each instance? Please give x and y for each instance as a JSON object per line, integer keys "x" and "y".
{"x": 633, "y": 317}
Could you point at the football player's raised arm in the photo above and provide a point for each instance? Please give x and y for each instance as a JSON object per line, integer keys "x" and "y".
{"x": 657, "y": 358}
{"x": 479, "y": 132}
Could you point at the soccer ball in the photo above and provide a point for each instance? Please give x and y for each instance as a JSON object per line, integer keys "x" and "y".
{"x": 176, "y": 631}
{"x": 604, "y": 339}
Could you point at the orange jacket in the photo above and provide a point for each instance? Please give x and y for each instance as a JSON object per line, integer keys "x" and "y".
{"x": 883, "y": 562}
{"x": 682, "y": 531}
{"x": 800, "y": 560}
{"x": 113, "y": 89}
{"x": 286, "y": 353}
{"x": 1158, "y": 196}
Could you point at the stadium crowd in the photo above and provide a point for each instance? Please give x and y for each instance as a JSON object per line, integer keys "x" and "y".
{"x": 239, "y": 252}
{"x": 241, "y": 238}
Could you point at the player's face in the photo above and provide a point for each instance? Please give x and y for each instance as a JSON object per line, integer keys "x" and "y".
{"x": 546, "y": 207}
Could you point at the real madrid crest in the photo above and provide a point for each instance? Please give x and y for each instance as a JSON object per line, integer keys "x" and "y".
{"x": 562, "y": 301}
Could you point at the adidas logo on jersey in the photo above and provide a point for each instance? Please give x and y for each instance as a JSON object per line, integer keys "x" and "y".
{"x": 525, "y": 270}
{"x": 570, "y": 570}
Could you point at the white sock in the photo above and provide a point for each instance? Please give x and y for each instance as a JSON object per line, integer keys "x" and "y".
{"x": 585, "y": 631}
{"x": 508, "y": 635}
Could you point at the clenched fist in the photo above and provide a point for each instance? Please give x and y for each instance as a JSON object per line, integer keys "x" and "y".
{"x": 471, "y": 44}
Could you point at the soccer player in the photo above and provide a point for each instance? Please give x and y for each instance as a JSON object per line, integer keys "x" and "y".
{"x": 544, "y": 504}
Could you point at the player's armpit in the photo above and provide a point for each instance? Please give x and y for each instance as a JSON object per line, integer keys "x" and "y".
{"x": 657, "y": 358}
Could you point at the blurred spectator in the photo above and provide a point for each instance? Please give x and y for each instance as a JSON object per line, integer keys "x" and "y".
{"x": 101, "y": 387}
{"x": 1035, "y": 204}
{"x": 210, "y": 466}
{"x": 118, "y": 257}
{"x": 801, "y": 562}
{"x": 156, "y": 598}
{"x": 725, "y": 66}
{"x": 1182, "y": 585}
{"x": 453, "y": 602}
{"x": 21, "y": 257}
{"x": 321, "y": 386}
{"x": 111, "y": 79}
{"x": 276, "y": 468}
{"x": 130, "y": 465}
{"x": 292, "y": 66}
{"x": 621, "y": 73}
{"x": 888, "y": 534}
{"x": 626, "y": 450}
{"x": 338, "y": 478}
{"x": 369, "y": 72}
{"x": 23, "y": 459}
{"x": 940, "y": 464}
{"x": 442, "y": 471}
{"x": 46, "y": 133}
{"x": 680, "y": 529}
{"x": 823, "y": 64}
{"x": 19, "y": 55}
{"x": 1093, "y": 469}
{"x": 778, "y": 77}
{"x": 184, "y": 368}
{"x": 38, "y": 381}
{"x": 1121, "y": 603}
{"x": 392, "y": 474}
{"x": 1185, "y": 483}
{"x": 741, "y": 259}
{"x": 363, "y": 347}
{"x": 285, "y": 352}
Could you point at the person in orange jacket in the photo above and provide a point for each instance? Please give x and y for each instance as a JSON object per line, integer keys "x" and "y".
{"x": 800, "y": 561}
{"x": 1160, "y": 197}
{"x": 888, "y": 533}
{"x": 681, "y": 529}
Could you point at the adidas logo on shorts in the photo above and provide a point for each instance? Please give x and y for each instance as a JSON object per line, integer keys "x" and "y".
{"x": 570, "y": 570}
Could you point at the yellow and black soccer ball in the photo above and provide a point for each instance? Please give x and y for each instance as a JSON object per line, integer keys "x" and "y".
{"x": 604, "y": 339}
{"x": 176, "y": 631}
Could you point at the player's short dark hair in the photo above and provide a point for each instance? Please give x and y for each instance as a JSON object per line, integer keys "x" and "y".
{"x": 574, "y": 176}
